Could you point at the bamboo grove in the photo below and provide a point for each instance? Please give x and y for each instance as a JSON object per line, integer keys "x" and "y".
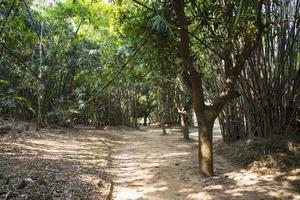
{"x": 135, "y": 62}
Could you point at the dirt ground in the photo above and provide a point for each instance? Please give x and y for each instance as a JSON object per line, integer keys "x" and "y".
{"x": 147, "y": 165}
{"x": 129, "y": 164}
{"x": 54, "y": 164}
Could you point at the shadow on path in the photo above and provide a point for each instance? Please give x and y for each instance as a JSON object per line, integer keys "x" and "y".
{"x": 147, "y": 165}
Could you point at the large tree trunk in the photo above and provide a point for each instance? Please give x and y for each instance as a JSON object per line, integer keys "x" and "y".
{"x": 205, "y": 130}
{"x": 205, "y": 121}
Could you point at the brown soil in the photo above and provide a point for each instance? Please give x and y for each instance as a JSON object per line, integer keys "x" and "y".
{"x": 147, "y": 165}
{"x": 54, "y": 164}
{"x": 90, "y": 164}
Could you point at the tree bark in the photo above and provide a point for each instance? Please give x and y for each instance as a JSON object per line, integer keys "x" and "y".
{"x": 163, "y": 126}
{"x": 206, "y": 147}
{"x": 184, "y": 123}
{"x": 145, "y": 120}
{"x": 205, "y": 121}
{"x": 184, "y": 126}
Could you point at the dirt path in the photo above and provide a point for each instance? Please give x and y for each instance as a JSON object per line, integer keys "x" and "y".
{"x": 69, "y": 164}
{"x": 147, "y": 165}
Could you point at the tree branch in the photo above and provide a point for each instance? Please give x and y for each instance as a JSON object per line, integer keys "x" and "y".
{"x": 228, "y": 92}
{"x": 143, "y": 5}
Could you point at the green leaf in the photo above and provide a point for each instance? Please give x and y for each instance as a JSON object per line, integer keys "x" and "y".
{"x": 243, "y": 7}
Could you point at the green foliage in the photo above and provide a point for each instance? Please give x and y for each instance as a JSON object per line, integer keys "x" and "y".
{"x": 243, "y": 9}
{"x": 96, "y": 62}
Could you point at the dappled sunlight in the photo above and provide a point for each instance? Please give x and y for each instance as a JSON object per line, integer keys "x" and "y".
{"x": 137, "y": 193}
{"x": 200, "y": 195}
{"x": 112, "y": 99}
{"x": 152, "y": 166}
{"x": 237, "y": 184}
{"x": 294, "y": 175}
{"x": 143, "y": 165}
{"x": 88, "y": 151}
{"x": 140, "y": 167}
{"x": 69, "y": 165}
{"x": 243, "y": 177}
{"x": 243, "y": 183}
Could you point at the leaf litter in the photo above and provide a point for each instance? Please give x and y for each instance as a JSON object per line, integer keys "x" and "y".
{"x": 52, "y": 163}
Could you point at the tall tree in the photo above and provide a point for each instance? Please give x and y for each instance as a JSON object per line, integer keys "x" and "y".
{"x": 206, "y": 114}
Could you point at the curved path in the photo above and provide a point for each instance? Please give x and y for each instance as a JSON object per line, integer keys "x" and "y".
{"x": 147, "y": 165}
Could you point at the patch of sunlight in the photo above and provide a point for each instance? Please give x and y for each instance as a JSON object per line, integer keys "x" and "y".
{"x": 86, "y": 151}
{"x": 186, "y": 190}
{"x": 243, "y": 177}
{"x": 138, "y": 193}
{"x": 238, "y": 191}
{"x": 215, "y": 187}
{"x": 276, "y": 194}
{"x": 183, "y": 146}
{"x": 153, "y": 189}
{"x": 295, "y": 171}
{"x": 127, "y": 193}
{"x": 200, "y": 195}
{"x": 236, "y": 194}
{"x": 293, "y": 177}
{"x": 169, "y": 155}
{"x": 247, "y": 181}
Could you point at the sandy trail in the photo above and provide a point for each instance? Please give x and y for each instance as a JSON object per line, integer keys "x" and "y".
{"x": 147, "y": 165}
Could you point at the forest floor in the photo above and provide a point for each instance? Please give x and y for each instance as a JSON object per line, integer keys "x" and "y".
{"x": 147, "y": 165}
{"x": 121, "y": 164}
{"x": 56, "y": 163}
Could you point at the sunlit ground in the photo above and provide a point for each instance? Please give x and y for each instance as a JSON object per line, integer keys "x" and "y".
{"x": 143, "y": 165}
{"x": 151, "y": 166}
{"x": 70, "y": 165}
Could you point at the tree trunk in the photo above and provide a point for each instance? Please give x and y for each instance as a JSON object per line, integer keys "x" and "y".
{"x": 163, "y": 126}
{"x": 184, "y": 126}
{"x": 205, "y": 121}
{"x": 145, "y": 120}
{"x": 205, "y": 130}
{"x": 195, "y": 82}
{"x": 40, "y": 87}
